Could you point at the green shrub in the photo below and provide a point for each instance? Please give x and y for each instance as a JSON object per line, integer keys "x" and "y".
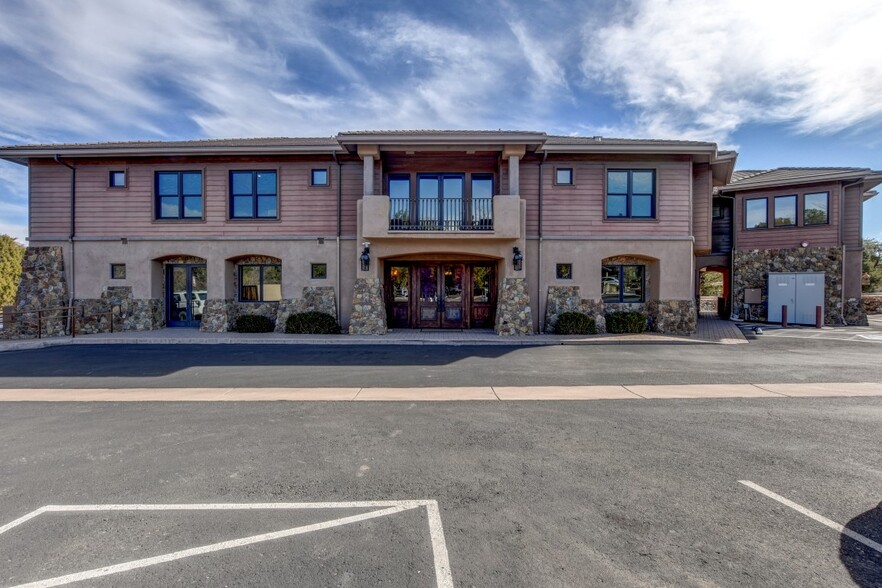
{"x": 312, "y": 323}
{"x": 626, "y": 321}
{"x": 575, "y": 323}
{"x": 254, "y": 323}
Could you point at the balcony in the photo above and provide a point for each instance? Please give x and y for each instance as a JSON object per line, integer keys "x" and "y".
{"x": 499, "y": 217}
{"x": 435, "y": 214}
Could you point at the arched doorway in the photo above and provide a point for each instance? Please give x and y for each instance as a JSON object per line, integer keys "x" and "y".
{"x": 185, "y": 289}
{"x": 713, "y": 290}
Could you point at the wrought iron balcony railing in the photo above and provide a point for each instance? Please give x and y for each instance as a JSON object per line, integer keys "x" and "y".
{"x": 436, "y": 214}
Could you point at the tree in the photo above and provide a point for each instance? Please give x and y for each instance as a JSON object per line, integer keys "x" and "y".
{"x": 711, "y": 283}
{"x": 872, "y": 265}
{"x": 11, "y": 254}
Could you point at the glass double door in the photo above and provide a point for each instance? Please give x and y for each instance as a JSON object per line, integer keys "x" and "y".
{"x": 186, "y": 289}
{"x": 441, "y": 295}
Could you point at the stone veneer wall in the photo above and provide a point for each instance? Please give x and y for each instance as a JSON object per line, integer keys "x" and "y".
{"x": 673, "y": 317}
{"x": 43, "y": 285}
{"x": 872, "y": 303}
{"x": 219, "y": 316}
{"x": 513, "y": 313}
{"x": 315, "y": 299}
{"x": 128, "y": 314}
{"x": 752, "y": 271}
{"x": 368, "y": 309}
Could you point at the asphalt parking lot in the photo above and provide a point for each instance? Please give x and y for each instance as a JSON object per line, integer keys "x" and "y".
{"x": 612, "y": 493}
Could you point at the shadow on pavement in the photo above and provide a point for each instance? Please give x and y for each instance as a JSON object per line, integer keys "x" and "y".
{"x": 863, "y": 562}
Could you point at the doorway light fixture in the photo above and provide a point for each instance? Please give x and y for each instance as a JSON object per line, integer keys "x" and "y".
{"x": 365, "y": 256}
{"x": 517, "y": 259}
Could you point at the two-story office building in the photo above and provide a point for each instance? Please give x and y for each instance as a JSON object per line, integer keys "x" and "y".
{"x": 417, "y": 229}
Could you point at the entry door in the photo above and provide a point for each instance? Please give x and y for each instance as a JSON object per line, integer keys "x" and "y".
{"x": 483, "y": 297}
{"x": 186, "y": 288}
{"x": 441, "y": 295}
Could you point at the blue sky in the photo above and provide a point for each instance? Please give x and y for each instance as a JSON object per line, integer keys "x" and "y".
{"x": 785, "y": 83}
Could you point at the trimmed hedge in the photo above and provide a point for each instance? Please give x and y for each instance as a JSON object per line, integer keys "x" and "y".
{"x": 626, "y": 321}
{"x": 312, "y": 323}
{"x": 254, "y": 323}
{"x": 575, "y": 323}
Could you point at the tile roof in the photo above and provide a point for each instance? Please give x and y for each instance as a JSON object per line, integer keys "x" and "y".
{"x": 570, "y": 140}
{"x": 418, "y": 132}
{"x": 747, "y": 179}
{"x": 250, "y": 142}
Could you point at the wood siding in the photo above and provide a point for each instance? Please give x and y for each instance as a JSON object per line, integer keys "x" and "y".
{"x": 579, "y": 210}
{"x": 853, "y": 217}
{"x": 702, "y": 189}
{"x": 101, "y": 211}
{"x": 788, "y": 237}
{"x": 49, "y": 200}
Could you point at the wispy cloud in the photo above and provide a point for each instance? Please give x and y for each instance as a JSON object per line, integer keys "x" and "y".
{"x": 700, "y": 69}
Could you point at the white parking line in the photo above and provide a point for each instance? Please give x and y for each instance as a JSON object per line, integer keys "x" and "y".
{"x": 815, "y": 516}
{"x": 387, "y": 507}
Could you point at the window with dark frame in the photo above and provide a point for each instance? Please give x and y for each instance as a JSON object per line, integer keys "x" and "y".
{"x": 815, "y": 208}
{"x": 785, "y": 211}
{"x": 179, "y": 195}
{"x": 319, "y": 177}
{"x": 630, "y": 194}
{"x": 117, "y": 179}
{"x": 254, "y": 194}
{"x": 756, "y": 213}
{"x": 623, "y": 283}
{"x": 319, "y": 271}
{"x": 117, "y": 271}
{"x": 563, "y": 176}
{"x": 260, "y": 283}
{"x": 564, "y": 271}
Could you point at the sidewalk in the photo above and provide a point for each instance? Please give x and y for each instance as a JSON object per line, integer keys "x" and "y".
{"x": 710, "y": 331}
{"x": 434, "y": 394}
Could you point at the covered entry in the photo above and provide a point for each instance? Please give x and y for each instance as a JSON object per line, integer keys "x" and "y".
{"x": 440, "y": 294}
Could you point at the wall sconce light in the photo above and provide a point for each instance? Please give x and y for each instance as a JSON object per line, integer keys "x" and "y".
{"x": 365, "y": 256}
{"x": 517, "y": 259}
{"x": 805, "y": 243}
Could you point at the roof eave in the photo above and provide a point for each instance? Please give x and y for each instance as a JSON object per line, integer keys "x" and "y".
{"x": 494, "y": 141}
{"x": 23, "y": 155}
{"x": 601, "y": 147}
{"x": 856, "y": 175}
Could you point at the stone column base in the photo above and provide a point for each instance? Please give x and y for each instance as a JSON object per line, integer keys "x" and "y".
{"x": 513, "y": 313}
{"x": 855, "y": 312}
{"x": 368, "y": 308}
{"x": 218, "y": 316}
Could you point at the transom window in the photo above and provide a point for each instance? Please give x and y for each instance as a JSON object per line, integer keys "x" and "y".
{"x": 253, "y": 194}
{"x": 623, "y": 283}
{"x": 179, "y": 195}
{"x": 756, "y": 213}
{"x": 785, "y": 211}
{"x": 260, "y": 283}
{"x": 630, "y": 193}
{"x": 815, "y": 208}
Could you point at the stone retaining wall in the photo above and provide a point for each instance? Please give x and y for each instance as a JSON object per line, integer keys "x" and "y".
{"x": 872, "y": 303}
{"x": 129, "y": 314}
{"x": 219, "y": 315}
{"x": 315, "y": 299}
{"x": 513, "y": 313}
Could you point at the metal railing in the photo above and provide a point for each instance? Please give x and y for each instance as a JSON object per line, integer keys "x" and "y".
{"x": 67, "y": 315}
{"x": 437, "y": 214}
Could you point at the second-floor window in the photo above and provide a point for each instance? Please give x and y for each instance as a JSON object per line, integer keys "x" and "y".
{"x": 254, "y": 194}
{"x": 785, "y": 211}
{"x": 179, "y": 195}
{"x": 756, "y": 213}
{"x": 630, "y": 193}
{"x": 815, "y": 208}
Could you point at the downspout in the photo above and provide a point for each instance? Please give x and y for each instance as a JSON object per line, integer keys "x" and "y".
{"x": 339, "y": 231}
{"x": 842, "y": 189}
{"x": 539, "y": 261}
{"x": 73, "y": 226}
